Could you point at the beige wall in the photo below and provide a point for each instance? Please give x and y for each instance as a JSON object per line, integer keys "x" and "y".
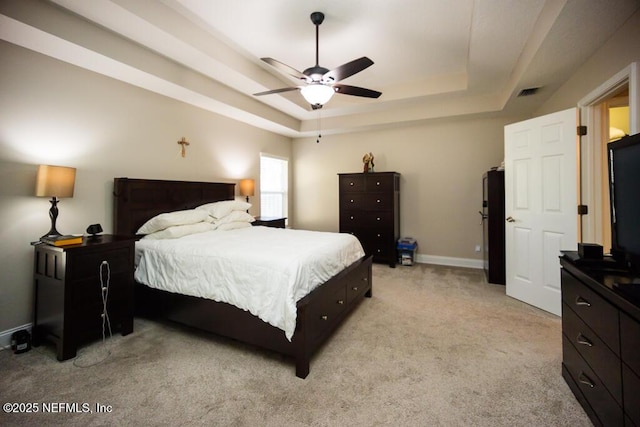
{"x": 441, "y": 163}
{"x": 55, "y": 113}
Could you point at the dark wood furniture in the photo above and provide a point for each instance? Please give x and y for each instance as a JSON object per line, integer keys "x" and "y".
{"x": 318, "y": 314}
{"x": 68, "y": 291}
{"x": 269, "y": 222}
{"x": 370, "y": 210}
{"x": 493, "y": 246}
{"x": 601, "y": 339}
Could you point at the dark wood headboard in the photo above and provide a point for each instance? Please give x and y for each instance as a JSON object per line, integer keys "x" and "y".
{"x": 138, "y": 200}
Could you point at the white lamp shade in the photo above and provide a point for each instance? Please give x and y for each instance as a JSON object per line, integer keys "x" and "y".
{"x": 317, "y": 93}
{"x": 55, "y": 181}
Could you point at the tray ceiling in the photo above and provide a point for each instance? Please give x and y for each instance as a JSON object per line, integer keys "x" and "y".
{"x": 432, "y": 59}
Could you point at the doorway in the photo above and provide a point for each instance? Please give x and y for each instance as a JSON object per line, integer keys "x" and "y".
{"x": 616, "y": 110}
{"x": 609, "y": 112}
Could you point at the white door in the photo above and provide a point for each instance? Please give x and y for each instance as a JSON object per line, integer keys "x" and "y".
{"x": 540, "y": 205}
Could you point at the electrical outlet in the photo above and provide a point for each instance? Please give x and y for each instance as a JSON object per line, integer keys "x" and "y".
{"x": 477, "y": 248}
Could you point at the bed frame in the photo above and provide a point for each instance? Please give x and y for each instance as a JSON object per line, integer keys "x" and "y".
{"x": 318, "y": 314}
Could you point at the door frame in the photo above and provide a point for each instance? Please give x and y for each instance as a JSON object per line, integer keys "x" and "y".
{"x": 590, "y": 156}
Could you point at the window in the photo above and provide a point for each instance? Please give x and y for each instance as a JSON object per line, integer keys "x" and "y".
{"x": 274, "y": 186}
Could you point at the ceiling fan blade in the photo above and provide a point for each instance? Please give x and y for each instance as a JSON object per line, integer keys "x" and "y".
{"x": 348, "y": 69}
{"x": 284, "y": 68}
{"x": 269, "y": 92}
{"x": 356, "y": 91}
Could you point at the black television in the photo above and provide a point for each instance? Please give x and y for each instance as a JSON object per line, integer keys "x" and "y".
{"x": 624, "y": 193}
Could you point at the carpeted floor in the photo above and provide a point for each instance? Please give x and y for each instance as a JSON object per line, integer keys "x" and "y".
{"x": 435, "y": 346}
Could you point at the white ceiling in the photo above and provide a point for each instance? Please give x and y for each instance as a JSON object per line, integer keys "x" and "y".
{"x": 432, "y": 58}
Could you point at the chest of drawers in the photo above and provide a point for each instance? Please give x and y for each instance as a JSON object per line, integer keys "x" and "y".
{"x": 600, "y": 347}
{"x": 70, "y": 284}
{"x": 370, "y": 210}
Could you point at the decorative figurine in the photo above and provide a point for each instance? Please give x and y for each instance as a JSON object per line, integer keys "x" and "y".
{"x": 368, "y": 162}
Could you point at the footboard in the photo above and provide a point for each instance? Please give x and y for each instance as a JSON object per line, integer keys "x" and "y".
{"x": 324, "y": 309}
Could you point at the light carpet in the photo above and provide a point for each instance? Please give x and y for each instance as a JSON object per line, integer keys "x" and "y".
{"x": 435, "y": 346}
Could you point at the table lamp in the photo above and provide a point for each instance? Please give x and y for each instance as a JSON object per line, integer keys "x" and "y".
{"x": 247, "y": 188}
{"x": 55, "y": 182}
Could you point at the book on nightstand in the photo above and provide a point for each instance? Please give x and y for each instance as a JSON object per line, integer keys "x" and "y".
{"x": 69, "y": 239}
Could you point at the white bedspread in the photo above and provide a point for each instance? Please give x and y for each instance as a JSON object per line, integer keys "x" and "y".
{"x": 260, "y": 269}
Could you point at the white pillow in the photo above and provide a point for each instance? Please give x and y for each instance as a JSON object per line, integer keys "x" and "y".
{"x": 169, "y": 219}
{"x": 233, "y": 225}
{"x": 176, "y": 231}
{"x": 224, "y": 207}
{"x": 235, "y": 216}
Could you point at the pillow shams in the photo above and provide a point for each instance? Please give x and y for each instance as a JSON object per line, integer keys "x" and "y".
{"x": 233, "y": 225}
{"x": 223, "y": 208}
{"x": 235, "y": 216}
{"x": 170, "y": 219}
{"x": 176, "y": 231}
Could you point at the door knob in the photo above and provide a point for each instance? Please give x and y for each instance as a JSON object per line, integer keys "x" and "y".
{"x": 510, "y": 219}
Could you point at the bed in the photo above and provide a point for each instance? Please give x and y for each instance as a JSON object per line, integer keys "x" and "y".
{"x": 317, "y": 314}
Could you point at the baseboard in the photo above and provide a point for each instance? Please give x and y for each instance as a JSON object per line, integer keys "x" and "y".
{"x": 5, "y": 336}
{"x": 450, "y": 261}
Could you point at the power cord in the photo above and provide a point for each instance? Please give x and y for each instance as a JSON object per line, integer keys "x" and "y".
{"x": 106, "y": 323}
{"x": 105, "y": 294}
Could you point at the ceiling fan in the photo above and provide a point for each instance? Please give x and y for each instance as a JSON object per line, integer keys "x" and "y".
{"x": 322, "y": 83}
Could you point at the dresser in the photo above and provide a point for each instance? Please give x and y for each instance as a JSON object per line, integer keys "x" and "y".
{"x": 370, "y": 210}
{"x": 493, "y": 246}
{"x": 601, "y": 340}
{"x": 70, "y": 283}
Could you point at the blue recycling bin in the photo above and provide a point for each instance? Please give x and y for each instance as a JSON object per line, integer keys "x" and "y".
{"x": 406, "y": 248}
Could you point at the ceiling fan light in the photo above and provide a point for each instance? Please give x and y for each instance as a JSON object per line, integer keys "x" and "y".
{"x": 317, "y": 94}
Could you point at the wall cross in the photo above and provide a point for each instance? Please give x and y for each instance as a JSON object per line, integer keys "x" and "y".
{"x": 184, "y": 143}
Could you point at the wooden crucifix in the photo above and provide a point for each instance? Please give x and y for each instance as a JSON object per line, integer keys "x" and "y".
{"x": 184, "y": 143}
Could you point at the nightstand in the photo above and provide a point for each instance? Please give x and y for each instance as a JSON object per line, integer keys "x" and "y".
{"x": 269, "y": 222}
{"x": 68, "y": 291}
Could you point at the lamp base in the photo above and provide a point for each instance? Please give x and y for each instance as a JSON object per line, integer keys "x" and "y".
{"x": 51, "y": 234}
{"x": 53, "y": 214}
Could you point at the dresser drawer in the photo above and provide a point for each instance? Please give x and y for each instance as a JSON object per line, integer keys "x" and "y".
{"x": 353, "y": 201}
{"x": 366, "y": 201}
{"x": 630, "y": 342}
{"x": 631, "y": 383}
{"x": 379, "y": 201}
{"x": 598, "y": 397}
{"x": 378, "y": 218}
{"x": 88, "y": 264}
{"x": 352, "y": 183}
{"x": 380, "y": 183}
{"x": 593, "y": 350}
{"x": 598, "y": 314}
{"x": 365, "y": 219}
{"x": 374, "y": 242}
{"x": 378, "y": 235}
{"x": 378, "y": 250}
